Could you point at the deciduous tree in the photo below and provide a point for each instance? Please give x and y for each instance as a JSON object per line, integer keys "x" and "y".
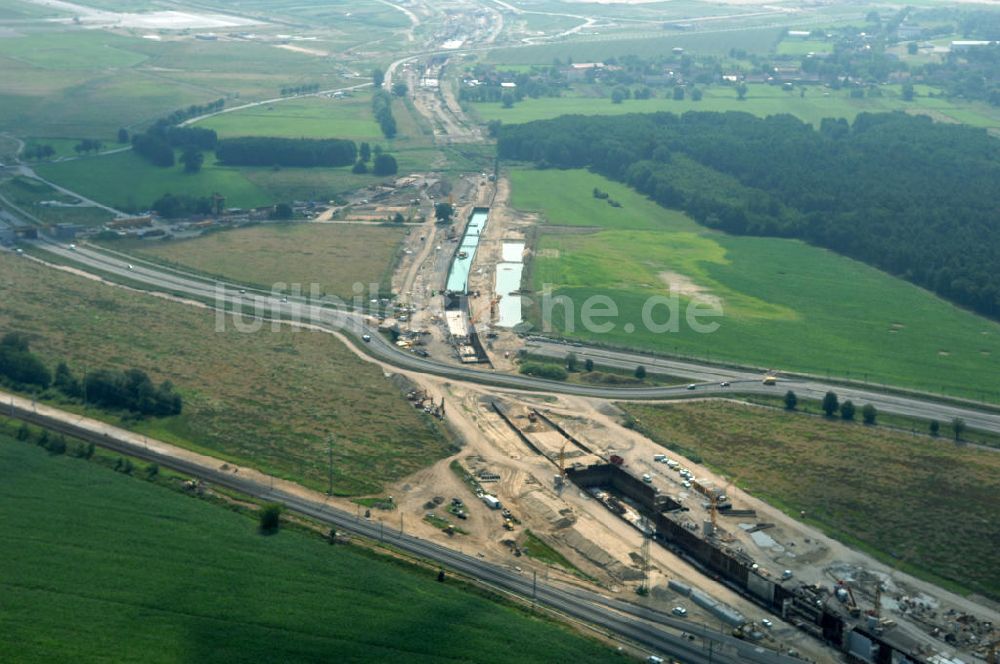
{"x": 830, "y": 404}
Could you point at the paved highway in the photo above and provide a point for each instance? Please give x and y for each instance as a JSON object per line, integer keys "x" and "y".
{"x": 649, "y": 628}
{"x": 707, "y": 377}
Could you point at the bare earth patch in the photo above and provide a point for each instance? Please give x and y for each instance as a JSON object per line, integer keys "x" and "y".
{"x": 682, "y": 285}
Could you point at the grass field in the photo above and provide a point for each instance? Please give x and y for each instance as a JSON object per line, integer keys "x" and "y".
{"x": 762, "y": 100}
{"x": 757, "y": 39}
{"x": 893, "y": 493}
{"x": 786, "y": 304}
{"x": 29, "y": 194}
{"x": 125, "y": 180}
{"x": 64, "y": 146}
{"x": 803, "y": 46}
{"x": 88, "y": 83}
{"x": 335, "y": 256}
{"x": 312, "y": 117}
{"x": 268, "y": 399}
{"x": 99, "y": 566}
{"x": 320, "y": 117}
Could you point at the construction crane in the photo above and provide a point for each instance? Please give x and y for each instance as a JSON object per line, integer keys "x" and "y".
{"x": 852, "y": 607}
{"x": 714, "y": 511}
{"x": 644, "y": 553}
{"x": 562, "y": 460}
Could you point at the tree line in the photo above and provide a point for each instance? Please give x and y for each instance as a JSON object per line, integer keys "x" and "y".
{"x": 299, "y": 89}
{"x": 273, "y": 151}
{"x": 382, "y": 110}
{"x": 907, "y": 195}
{"x": 157, "y": 144}
{"x": 383, "y": 164}
{"x": 131, "y": 390}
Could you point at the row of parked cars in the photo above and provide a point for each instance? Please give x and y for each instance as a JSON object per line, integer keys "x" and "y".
{"x": 672, "y": 465}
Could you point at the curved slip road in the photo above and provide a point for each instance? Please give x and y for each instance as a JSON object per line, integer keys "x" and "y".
{"x": 323, "y": 315}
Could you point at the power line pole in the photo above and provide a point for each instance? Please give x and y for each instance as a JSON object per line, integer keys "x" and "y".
{"x": 534, "y": 588}
{"x": 329, "y": 441}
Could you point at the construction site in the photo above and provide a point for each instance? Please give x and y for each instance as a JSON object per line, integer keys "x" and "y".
{"x": 673, "y": 536}
{"x": 563, "y": 474}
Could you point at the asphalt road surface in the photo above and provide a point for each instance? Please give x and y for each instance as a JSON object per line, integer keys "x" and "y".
{"x": 707, "y": 378}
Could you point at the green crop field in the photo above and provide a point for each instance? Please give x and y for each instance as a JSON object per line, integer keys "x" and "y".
{"x": 74, "y": 50}
{"x": 312, "y": 117}
{"x": 320, "y": 117}
{"x": 269, "y": 399}
{"x": 99, "y": 566}
{"x": 803, "y": 46}
{"x": 785, "y": 304}
{"x": 125, "y": 180}
{"x": 904, "y": 497}
{"x": 756, "y": 39}
{"x": 64, "y": 146}
{"x": 762, "y": 100}
{"x": 333, "y": 256}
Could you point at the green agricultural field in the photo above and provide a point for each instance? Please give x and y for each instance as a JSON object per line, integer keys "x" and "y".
{"x": 754, "y": 39}
{"x": 761, "y": 100}
{"x": 785, "y": 304}
{"x": 890, "y": 493}
{"x": 320, "y": 117}
{"x": 60, "y": 82}
{"x": 37, "y": 198}
{"x": 269, "y": 399}
{"x": 334, "y": 256}
{"x": 125, "y": 180}
{"x": 803, "y": 47}
{"x": 311, "y": 117}
{"x": 99, "y": 566}
{"x": 64, "y": 146}
{"x": 73, "y": 50}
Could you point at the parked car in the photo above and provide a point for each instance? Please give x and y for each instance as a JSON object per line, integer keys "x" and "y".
{"x": 680, "y": 611}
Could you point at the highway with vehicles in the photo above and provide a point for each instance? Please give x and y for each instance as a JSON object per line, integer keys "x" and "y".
{"x": 355, "y": 322}
{"x": 660, "y": 632}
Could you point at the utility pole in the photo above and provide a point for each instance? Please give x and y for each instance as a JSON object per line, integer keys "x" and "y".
{"x": 534, "y": 588}
{"x": 329, "y": 441}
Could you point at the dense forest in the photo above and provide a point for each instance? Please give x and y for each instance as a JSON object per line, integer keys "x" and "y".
{"x": 270, "y": 151}
{"x": 910, "y": 196}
